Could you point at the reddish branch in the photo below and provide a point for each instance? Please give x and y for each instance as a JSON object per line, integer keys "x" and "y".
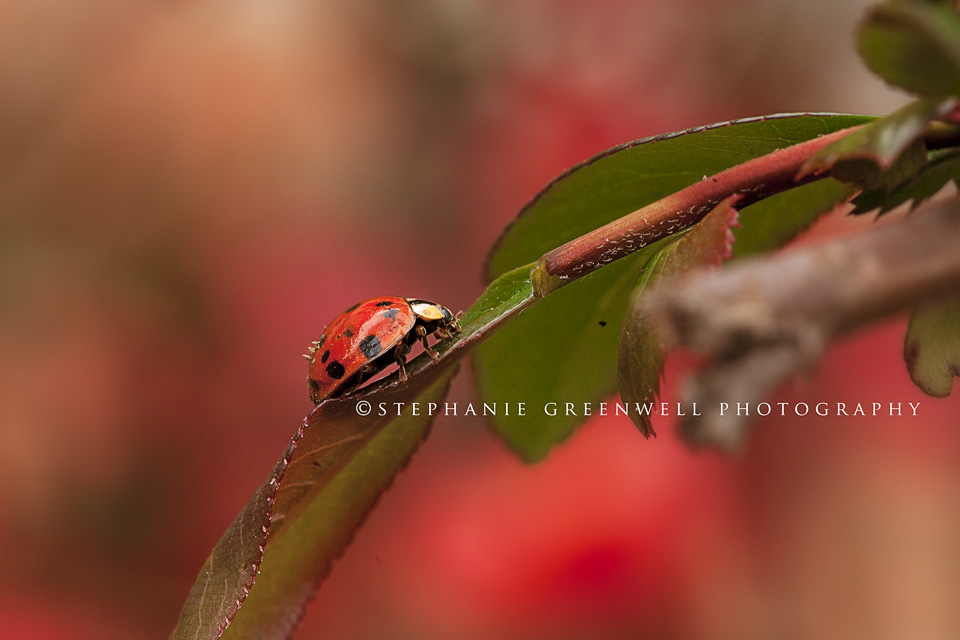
{"x": 764, "y": 320}
{"x": 754, "y": 180}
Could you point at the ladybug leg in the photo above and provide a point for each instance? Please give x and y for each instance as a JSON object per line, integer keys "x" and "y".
{"x": 422, "y": 336}
{"x": 400, "y": 355}
{"x": 351, "y": 386}
{"x": 359, "y": 378}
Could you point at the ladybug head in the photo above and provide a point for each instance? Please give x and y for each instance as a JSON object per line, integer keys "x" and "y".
{"x": 434, "y": 313}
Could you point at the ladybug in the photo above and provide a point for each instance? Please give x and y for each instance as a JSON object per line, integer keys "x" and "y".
{"x": 370, "y": 336}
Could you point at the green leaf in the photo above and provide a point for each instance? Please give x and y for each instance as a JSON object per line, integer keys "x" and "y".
{"x": 771, "y": 223}
{"x": 641, "y": 355}
{"x": 623, "y": 179}
{"x": 943, "y": 168}
{"x": 914, "y": 46}
{"x": 932, "y": 348}
{"x": 864, "y": 174}
{"x": 333, "y": 440}
{"x": 562, "y": 349}
{"x": 232, "y": 566}
{"x": 506, "y": 297}
{"x": 331, "y": 474}
{"x": 884, "y": 154}
{"x": 300, "y": 555}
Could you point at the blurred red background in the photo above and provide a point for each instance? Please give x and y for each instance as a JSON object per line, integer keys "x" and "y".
{"x": 189, "y": 191}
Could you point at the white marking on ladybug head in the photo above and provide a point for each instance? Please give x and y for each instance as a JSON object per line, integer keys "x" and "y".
{"x": 426, "y": 310}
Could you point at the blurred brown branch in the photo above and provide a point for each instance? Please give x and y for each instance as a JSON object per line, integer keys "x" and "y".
{"x": 767, "y": 319}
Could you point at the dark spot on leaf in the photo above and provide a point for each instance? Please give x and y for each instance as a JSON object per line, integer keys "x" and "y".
{"x": 391, "y": 313}
{"x": 385, "y": 303}
{"x": 370, "y": 346}
{"x": 602, "y": 323}
{"x": 317, "y": 464}
{"x": 323, "y": 358}
{"x": 335, "y": 370}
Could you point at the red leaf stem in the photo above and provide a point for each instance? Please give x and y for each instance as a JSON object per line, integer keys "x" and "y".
{"x": 753, "y": 180}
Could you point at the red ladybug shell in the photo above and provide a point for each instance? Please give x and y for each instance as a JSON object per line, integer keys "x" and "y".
{"x": 354, "y": 338}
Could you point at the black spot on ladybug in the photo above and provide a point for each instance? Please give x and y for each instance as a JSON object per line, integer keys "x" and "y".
{"x": 348, "y": 333}
{"x": 370, "y": 346}
{"x": 602, "y": 323}
{"x": 391, "y": 313}
{"x": 385, "y": 303}
{"x": 323, "y": 358}
{"x": 352, "y": 308}
{"x": 335, "y": 370}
